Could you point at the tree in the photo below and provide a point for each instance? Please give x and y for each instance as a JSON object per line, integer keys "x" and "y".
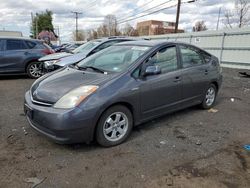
{"x": 239, "y": 16}
{"x": 110, "y": 22}
{"x": 127, "y": 30}
{"x": 42, "y": 21}
{"x": 81, "y": 35}
{"x": 102, "y": 31}
{"x": 199, "y": 26}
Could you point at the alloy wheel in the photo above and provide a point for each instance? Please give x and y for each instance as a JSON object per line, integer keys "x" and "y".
{"x": 115, "y": 126}
{"x": 210, "y": 96}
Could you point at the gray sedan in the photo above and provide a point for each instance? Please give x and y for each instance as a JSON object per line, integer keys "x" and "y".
{"x": 108, "y": 93}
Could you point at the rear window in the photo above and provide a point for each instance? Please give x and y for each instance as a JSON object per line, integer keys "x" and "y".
{"x": 30, "y": 44}
{"x": 41, "y": 45}
{"x": 15, "y": 45}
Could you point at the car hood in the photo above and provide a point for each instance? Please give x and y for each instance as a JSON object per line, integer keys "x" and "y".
{"x": 71, "y": 59}
{"x": 50, "y": 89}
{"x": 55, "y": 56}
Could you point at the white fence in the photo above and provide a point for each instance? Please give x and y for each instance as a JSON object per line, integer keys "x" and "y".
{"x": 232, "y": 46}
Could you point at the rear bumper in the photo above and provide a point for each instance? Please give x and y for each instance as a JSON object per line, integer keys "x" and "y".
{"x": 61, "y": 126}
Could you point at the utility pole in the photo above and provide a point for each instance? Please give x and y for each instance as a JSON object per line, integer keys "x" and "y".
{"x": 178, "y": 13}
{"x": 77, "y": 16}
{"x": 36, "y": 25}
{"x": 218, "y": 21}
{"x": 177, "y": 16}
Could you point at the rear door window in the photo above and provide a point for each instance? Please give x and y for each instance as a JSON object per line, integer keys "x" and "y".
{"x": 190, "y": 57}
{"x": 15, "y": 45}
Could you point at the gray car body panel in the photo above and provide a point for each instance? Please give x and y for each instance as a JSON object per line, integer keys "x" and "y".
{"x": 54, "y": 56}
{"x": 146, "y": 97}
{"x": 75, "y": 58}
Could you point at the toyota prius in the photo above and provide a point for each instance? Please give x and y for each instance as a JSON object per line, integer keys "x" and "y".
{"x": 104, "y": 96}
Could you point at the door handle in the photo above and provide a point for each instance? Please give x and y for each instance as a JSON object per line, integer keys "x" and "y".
{"x": 206, "y": 72}
{"x": 177, "y": 79}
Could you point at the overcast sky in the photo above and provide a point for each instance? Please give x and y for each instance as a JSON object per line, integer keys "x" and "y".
{"x": 16, "y": 15}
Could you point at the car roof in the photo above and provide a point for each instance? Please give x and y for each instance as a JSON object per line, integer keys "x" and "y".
{"x": 19, "y": 38}
{"x": 125, "y": 38}
{"x": 150, "y": 43}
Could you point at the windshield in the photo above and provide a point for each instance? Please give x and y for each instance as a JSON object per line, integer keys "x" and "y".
{"x": 86, "y": 47}
{"x": 114, "y": 58}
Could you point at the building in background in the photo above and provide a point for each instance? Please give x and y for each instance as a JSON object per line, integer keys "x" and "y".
{"x": 11, "y": 33}
{"x": 155, "y": 27}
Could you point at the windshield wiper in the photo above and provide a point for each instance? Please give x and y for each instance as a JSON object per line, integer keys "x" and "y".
{"x": 93, "y": 68}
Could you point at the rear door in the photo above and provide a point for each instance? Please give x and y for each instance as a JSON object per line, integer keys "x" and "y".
{"x": 161, "y": 93}
{"x": 195, "y": 74}
{"x": 14, "y": 55}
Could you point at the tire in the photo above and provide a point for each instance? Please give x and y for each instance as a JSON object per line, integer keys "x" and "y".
{"x": 114, "y": 126}
{"x": 33, "y": 70}
{"x": 210, "y": 97}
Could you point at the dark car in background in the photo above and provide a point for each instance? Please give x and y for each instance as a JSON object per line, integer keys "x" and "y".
{"x": 81, "y": 52}
{"x": 108, "y": 93}
{"x": 20, "y": 55}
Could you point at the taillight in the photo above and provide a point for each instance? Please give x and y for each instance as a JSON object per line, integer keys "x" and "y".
{"x": 48, "y": 51}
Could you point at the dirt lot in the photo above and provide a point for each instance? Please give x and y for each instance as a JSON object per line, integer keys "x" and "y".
{"x": 190, "y": 148}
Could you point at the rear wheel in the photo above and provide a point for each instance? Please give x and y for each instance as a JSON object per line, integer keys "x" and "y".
{"x": 33, "y": 70}
{"x": 210, "y": 97}
{"x": 114, "y": 126}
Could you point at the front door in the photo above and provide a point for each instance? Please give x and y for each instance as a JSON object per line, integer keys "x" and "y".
{"x": 161, "y": 93}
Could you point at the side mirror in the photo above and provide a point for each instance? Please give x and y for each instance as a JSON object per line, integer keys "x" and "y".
{"x": 152, "y": 70}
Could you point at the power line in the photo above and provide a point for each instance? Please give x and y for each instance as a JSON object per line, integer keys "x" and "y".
{"x": 152, "y": 12}
{"x": 146, "y": 14}
{"x": 146, "y": 10}
{"x": 138, "y": 8}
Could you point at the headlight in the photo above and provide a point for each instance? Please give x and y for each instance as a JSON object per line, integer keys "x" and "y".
{"x": 49, "y": 64}
{"x": 75, "y": 97}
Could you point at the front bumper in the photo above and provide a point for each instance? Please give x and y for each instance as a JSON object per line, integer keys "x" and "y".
{"x": 61, "y": 126}
{"x": 46, "y": 68}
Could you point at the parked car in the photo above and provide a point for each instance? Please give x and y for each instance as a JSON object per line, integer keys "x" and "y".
{"x": 20, "y": 55}
{"x": 108, "y": 93}
{"x": 85, "y": 47}
{"x": 82, "y": 52}
{"x": 68, "y": 48}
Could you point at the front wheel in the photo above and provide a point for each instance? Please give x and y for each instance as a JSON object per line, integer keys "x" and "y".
{"x": 210, "y": 97}
{"x": 114, "y": 126}
{"x": 33, "y": 70}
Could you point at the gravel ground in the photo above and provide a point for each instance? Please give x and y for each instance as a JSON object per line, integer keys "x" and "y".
{"x": 189, "y": 148}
